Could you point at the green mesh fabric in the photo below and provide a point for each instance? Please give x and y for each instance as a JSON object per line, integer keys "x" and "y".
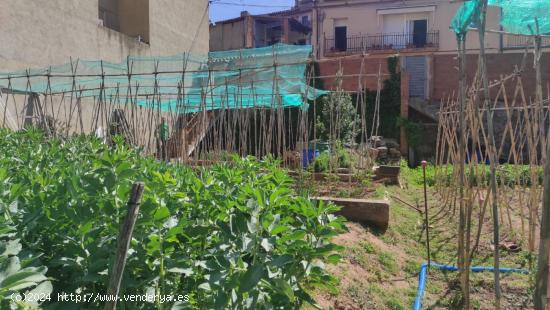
{"x": 272, "y": 77}
{"x": 522, "y": 16}
{"x": 467, "y": 14}
{"x": 518, "y": 16}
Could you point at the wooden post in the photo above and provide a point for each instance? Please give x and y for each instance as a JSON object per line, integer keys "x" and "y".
{"x": 462, "y": 256}
{"x": 29, "y": 111}
{"x": 123, "y": 244}
{"x": 493, "y": 157}
{"x": 426, "y": 217}
{"x": 541, "y": 288}
{"x": 404, "y": 112}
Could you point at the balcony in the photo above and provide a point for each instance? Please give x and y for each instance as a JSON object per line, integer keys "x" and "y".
{"x": 356, "y": 44}
{"x": 515, "y": 41}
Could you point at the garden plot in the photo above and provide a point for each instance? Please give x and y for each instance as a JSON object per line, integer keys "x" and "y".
{"x": 233, "y": 237}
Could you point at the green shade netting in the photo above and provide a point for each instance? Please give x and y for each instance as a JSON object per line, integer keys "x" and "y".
{"x": 521, "y": 16}
{"x": 467, "y": 14}
{"x": 518, "y": 16}
{"x": 268, "y": 77}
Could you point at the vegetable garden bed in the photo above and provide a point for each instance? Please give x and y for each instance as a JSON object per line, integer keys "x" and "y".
{"x": 226, "y": 237}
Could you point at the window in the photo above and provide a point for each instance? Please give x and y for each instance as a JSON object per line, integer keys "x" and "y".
{"x": 305, "y": 20}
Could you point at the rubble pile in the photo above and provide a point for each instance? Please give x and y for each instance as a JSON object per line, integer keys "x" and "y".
{"x": 385, "y": 150}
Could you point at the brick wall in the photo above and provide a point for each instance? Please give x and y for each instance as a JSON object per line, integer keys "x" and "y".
{"x": 352, "y": 66}
{"x": 445, "y": 78}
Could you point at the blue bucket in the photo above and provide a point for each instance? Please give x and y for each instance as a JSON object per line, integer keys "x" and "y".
{"x": 308, "y": 156}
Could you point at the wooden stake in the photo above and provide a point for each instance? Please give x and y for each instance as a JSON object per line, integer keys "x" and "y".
{"x": 492, "y": 152}
{"x": 123, "y": 244}
{"x": 464, "y": 272}
{"x": 541, "y": 288}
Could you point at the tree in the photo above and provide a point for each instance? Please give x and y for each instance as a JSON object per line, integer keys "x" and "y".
{"x": 338, "y": 119}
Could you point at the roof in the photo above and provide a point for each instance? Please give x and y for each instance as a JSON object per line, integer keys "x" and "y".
{"x": 295, "y": 10}
{"x": 284, "y": 13}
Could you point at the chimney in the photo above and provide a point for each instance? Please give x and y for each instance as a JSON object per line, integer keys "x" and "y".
{"x": 244, "y": 13}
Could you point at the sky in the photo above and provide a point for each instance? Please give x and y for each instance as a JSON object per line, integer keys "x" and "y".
{"x": 226, "y": 9}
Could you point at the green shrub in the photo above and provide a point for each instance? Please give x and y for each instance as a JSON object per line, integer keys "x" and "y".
{"x": 344, "y": 158}
{"x": 322, "y": 162}
{"x": 337, "y": 119}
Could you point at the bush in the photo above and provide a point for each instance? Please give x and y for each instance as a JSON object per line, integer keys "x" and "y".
{"x": 322, "y": 162}
{"x": 344, "y": 158}
{"x": 338, "y": 119}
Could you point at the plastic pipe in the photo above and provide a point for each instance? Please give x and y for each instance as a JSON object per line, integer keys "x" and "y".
{"x": 424, "y": 271}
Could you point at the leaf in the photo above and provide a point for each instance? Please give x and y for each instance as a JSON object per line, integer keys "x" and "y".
{"x": 278, "y": 229}
{"x": 238, "y": 224}
{"x": 12, "y": 247}
{"x": 124, "y": 171}
{"x": 306, "y": 297}
{"x": 161, "y": 213}
{"x": 25, "y": 278}
{"x": 186, "y": 271}
{"x": 282, "y": 260}
{"x": 276, "y": 195}
{"x": 13, "y": 266}
{"x": 84, "y": 229}
{"x": 285, "y": 288}
{"x": 296, "y": 235}
{"x": 274, "y": 223}
{"x": 205, "y": 286}
{"x": 251, "y": 277}
{"x": 267, "y": 244}
{"x": 253, "y": 223}
{"x": 221, "y": 300}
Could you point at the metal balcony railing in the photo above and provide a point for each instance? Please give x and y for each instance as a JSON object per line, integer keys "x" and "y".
{"x": 384, "y": 41}
{"x": 515, "y": 41}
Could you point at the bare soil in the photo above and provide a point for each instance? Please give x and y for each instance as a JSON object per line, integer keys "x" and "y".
{"x": 380, "y": 269}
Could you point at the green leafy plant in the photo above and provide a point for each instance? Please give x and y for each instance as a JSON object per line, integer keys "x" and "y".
{"x": 344, "y": 157}
{"x": 338, "y": 119}
{"x": 20, "y": 271}
{"x": 413, "y": 131}
{"x": 322, "y": 162}
{"x": 228, "y": 237}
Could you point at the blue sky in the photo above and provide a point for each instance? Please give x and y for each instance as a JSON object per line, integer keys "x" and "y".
{"x": 226, "y": 9}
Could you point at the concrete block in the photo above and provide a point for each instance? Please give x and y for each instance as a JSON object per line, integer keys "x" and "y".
{"x": 389, "y": 173}
{"x": 364, "y": 211}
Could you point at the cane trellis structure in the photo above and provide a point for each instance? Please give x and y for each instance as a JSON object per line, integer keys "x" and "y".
{"x": 248, "y": 102}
